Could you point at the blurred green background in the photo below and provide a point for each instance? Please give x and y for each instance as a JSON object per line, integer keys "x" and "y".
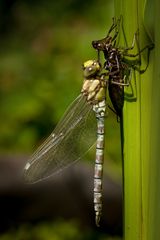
{"x": 42, "y": 47}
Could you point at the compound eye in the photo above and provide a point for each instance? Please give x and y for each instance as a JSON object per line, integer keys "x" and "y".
{"x": 90, "y": 69}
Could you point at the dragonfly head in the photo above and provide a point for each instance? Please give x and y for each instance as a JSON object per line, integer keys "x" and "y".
{"x": 103, "y": 44}
{"x": 91, "y": 68}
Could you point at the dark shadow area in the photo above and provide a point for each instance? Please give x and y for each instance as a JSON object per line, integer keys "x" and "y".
{"x": 67, "y": 195}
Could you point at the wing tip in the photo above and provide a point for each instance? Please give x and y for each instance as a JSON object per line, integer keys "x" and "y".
{"x": 27, "y": 166}
{"x": 26, "y": 175}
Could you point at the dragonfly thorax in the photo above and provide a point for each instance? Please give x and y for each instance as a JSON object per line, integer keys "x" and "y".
{"x": 94, "y": 89}
{"x": 94, "y": 84}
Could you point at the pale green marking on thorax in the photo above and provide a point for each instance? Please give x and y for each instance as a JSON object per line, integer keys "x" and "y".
{"x": 94, "y": 87}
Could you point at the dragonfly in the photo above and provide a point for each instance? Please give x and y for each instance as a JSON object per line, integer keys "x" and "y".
{"x": 83, "y": 123}
{"x": 75, "y": 134}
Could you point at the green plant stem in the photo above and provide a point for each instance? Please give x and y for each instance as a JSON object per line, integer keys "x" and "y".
{"x": 138, "y": 151}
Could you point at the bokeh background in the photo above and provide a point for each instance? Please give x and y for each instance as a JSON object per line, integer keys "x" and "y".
{"x": 42, "y": 47}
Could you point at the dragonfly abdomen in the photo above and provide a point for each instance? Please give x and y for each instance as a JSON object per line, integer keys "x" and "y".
{"x": 98, "y": 174}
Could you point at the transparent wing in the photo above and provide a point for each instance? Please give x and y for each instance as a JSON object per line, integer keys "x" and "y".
{"x": 70, "y": 140}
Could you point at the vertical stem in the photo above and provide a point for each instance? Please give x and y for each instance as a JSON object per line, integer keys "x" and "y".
{"x": 154, "y": 170}
{"x": 137, "y": 130}
{"x": 132, "y": 137}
